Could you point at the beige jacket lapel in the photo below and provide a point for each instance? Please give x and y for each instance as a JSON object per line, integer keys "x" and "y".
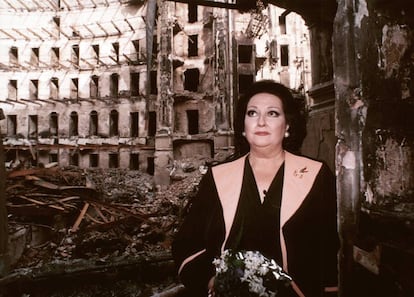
{"x": 228, "y": 178}
{"x": 299, "y": 176}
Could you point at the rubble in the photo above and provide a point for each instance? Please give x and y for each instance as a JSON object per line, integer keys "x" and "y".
{"x": 66, "y": 222}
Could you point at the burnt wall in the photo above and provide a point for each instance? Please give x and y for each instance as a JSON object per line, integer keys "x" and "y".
{"x": 373, "y": 75}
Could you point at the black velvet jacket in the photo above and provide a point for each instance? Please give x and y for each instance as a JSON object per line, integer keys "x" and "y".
{"x": 309, "y": 239}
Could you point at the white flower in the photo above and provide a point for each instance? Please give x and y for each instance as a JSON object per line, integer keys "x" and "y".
{"x": 254, "y": 269}
{"x": 263, "y": 270}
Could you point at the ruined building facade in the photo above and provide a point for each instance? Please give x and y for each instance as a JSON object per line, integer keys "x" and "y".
{"x": 82, "y": 84}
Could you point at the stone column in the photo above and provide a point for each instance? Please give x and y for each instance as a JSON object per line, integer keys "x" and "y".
{"x": 165, "y": 102}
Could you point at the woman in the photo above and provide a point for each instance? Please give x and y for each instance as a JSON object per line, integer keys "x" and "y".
{"x": 267, "y": 199}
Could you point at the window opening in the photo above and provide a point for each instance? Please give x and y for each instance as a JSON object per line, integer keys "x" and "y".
{"x": 93, "y": 123}
{"x": 94, "y": 86}
{"x": 14, "y": 56}
{"x": 282, "y": 23}
{"x": 191, "y": 79}
{"x": 193, "y": 45}
{"x": 75, "y": 55}
{"x": 32, "y": 126}
{"x": 153, "y": 86}
{"x": 74, "y": 158}
{"x": 73, "y": 124}
{"x": 74, "y": 89}
{"x": 94, "y": 160}
{"x": 245, "y": 80}
{"x": 54, "y": 56}
{"x": 11, "y": 125}
{"x": 95, "y": 48}
{"x": 134, "y": 161}
{"x": 134, "y": 83}
{"x": 273, "y": 51}
{"x": 135, "y": 44}
{"x": 53, "y": 158}
{"x": 192, "y": 13}
{"x": 54, "y": 88}
{"x": 150, "y": 165}
{"x": 284, "y": 55}
{"x": 154, "y": 46}
{"x": 12, "y": 89}
{"x": 115, "y": 47}
{"x": 152, "y": 123}
{"x": 113, "y": 87}
{"x": 113, "y": 123}
{"x": 56, "y": 20}
{"x": 33, "y": 89}
{"x": 34, "y": 57}
{"x": 113, "y": 160}
{"x": 53, "y": 124}
{"x": 192, "y": 121}
{"x": 245, "y": 53}
{"x": 134, "y": 124}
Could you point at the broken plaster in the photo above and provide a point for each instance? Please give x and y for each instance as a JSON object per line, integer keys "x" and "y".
{"x": 361, "y": 12}
{"x": 349, "y": 160}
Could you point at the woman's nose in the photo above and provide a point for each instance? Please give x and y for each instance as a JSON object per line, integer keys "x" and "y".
{"x": 261, "y": 120}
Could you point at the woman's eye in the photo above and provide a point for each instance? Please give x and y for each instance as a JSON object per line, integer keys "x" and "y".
{"x": 251, "y": 113}
{"x": 274, "y": 113}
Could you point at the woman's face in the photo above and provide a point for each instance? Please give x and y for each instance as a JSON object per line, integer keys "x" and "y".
{"x": 265, "y": 122}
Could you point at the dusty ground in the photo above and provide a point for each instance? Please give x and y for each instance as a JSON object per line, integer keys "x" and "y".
{"x": 95, "y": 232}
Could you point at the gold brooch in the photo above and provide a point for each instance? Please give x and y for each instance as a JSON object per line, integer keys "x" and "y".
{"x": 299, "y": 173}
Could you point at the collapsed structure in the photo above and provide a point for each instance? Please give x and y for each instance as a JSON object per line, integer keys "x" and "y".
{"x": 99, "y": 83}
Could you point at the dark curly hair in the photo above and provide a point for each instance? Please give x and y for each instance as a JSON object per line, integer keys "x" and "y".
{"x": 294, "y": 113}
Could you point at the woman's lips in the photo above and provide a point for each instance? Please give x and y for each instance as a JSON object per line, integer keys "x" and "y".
{"x": 261, "y": 133}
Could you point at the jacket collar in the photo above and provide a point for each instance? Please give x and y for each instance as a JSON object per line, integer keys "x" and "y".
{"x": 299, "y": 176}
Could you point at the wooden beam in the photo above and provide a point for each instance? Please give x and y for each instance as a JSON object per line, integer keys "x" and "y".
{"x": 102, "y": 28}
{"x": 38, "y": 5}
{"x": 67, "y": 5}
{"x": 66, "y": 35}
{"x": 75, "y": 226}
{"x": 90, "y": 31}
{"x": 31, "y": 101}
{"x": 23, "y": 4}
{"x": 87, "y": 62}
{"x": 8, "y": 34}
{"x": 94, "y": 3}
{"x": 54, "y": 6}
{"x": 51, "y": 34}
{"x": 10, "y": 5}
{"x": 20, "y": 33}
{"x": 116, "y": 27}
{"x": 128, "y": 58}
{"x": 34, "y": 33}
{"x": 16, "y": 101}
{"x": 129, "y": 24}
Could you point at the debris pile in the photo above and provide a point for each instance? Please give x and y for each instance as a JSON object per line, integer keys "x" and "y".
{"x": 67, "y": 214}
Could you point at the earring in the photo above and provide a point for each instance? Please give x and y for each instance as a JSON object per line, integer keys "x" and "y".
{"x": 287, "y": 134}
{"x": 244, "y": 134}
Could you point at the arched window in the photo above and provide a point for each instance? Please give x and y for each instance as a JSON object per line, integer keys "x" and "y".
{"x": 73, "y": 124}
{"x": 53, "y": 124}
{"x": 113, "y": 123}
{"x": 93, "y": 123}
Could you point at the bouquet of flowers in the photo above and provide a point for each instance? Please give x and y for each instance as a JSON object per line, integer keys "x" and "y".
{"x": 248, "y": 274}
